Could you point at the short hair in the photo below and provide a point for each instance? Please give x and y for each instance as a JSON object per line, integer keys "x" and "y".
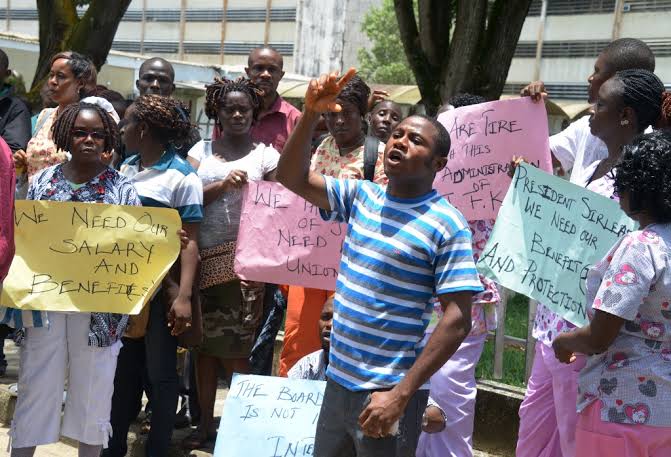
{"x": 628, "y": 53}
{"x": 215, "y": 95}
{"x": 442, "y": 143}
{"x": 264, "y": 48}
{"x": 645, "y": 172}
{"x": 165, "y": 118}
{"x": 151, "y": 60}
{"x": 466, "y": 99}
{"x": 4, "y": 59}
{"x": 356, "y": 91}
{"x": 83, "y": 70}
{"x": 641, "y": 91}
{"x": 65, "y": 122}
{"x": 391, "y": 102}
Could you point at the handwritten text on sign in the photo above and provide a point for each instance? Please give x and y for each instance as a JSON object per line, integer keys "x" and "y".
{"x": 548, "y": 234}
{"x": 89, "y": 257}
{"x": 283, "y": 240}
{"x": 269, "y": 417}
{"x": 484, "y": 139}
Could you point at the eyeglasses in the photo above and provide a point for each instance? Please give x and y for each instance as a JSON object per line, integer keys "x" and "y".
{"x": 80, "y": 134}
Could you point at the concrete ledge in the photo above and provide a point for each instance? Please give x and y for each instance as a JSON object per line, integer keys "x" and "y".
{"x": 496, "y": 418}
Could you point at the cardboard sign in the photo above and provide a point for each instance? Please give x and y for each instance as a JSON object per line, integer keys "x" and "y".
{"x": 484, "y": 139}
{"x": 283, "y": 240}
{"x": 269, "y": 416}
{"x": 89, "y": 257}
{"x": 548, "y": 234}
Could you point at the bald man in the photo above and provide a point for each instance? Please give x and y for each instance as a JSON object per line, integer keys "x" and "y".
{"x": 156, "y": 76}
{"x": 265, "y": 67}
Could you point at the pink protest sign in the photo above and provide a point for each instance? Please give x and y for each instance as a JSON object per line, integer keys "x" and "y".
{"x": 283, "y": 240}
{"x": 484, "y": 139}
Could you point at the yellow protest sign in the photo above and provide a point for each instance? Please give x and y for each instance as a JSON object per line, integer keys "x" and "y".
{"x": 89, "y": 257}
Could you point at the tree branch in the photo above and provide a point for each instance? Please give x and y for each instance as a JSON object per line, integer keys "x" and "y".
{"x": 498, "y": 48}
{"x": 463, "y": 54}
{"x": 435, "y": 20}
{"x": 56, "y": 19}
{"x": 94, "y": 33}
{"x": 427, "y": 81}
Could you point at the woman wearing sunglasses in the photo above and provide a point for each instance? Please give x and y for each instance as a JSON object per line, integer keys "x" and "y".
{"x": 82, "y": 347}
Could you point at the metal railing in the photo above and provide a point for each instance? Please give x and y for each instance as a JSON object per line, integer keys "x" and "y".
{"x": 503, "y": 341}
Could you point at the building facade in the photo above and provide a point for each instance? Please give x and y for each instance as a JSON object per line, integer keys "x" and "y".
{"x": 573, "y": 32}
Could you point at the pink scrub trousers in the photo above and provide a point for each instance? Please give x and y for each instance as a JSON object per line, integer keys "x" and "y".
{"x": 453, "y": 387}
{"x": 595, "y": 437}
{"x": 548, "y": 414}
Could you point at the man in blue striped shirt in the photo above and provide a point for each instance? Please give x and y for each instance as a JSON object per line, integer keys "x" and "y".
{"x": 405, "y": 245}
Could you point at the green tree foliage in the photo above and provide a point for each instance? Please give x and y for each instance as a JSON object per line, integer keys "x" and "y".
{"x": 385, "y": 63}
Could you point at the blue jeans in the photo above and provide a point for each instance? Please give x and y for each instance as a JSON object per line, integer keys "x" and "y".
{"x": 158, "y": 352}
{"x": 274, "y": 306}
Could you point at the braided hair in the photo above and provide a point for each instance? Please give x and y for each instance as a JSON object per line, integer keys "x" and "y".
{"x": 165, "y": 117}
{"x": 645, "y": 172}
{"x": 215, "y": 95}
{"x": 641, "y": 91}
{"x": 356, "y": 91}
{"x": 665, "y": 115}
{"x": 65, "y": 122}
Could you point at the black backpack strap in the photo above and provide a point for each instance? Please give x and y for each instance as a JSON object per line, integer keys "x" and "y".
{"x": 370, "y": 153}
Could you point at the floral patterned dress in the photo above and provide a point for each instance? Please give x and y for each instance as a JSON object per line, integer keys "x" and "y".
{"x": 632, "y": 379}
{"x": 41, "y": 150}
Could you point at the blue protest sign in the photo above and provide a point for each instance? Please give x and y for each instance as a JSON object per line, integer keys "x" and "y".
{"x": 269, "y": 417}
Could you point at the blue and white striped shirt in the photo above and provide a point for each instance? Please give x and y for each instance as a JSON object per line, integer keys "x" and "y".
{"x": 170, "y": 183}
{"x": 397, "y": 255}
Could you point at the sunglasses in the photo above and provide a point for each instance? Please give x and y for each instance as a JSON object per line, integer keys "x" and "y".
{"x": 80, "y": 134}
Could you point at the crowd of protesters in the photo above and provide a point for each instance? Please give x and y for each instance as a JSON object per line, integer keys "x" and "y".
{"x": 396, "y": 386}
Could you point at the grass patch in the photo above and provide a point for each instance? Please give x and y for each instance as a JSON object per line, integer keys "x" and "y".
{"x": 513, "y": 359}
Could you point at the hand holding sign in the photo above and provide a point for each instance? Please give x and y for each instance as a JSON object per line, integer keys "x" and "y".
{"x": 484, "y": 138}
{"x": 548, "y": 234}
{"x": 282, "y": 239}
{"x": 96, "y": 258}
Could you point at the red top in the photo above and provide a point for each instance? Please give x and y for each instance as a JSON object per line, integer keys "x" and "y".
{"x": 7, "y": 186}
{"x": 273, "y": 126}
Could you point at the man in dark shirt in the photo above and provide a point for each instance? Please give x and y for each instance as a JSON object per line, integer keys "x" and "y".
{"x": 14, "y": 113}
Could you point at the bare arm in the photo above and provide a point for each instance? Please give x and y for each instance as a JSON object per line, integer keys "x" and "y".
{"x": 293, "y": 169}
{"x": 594, "y": 338}
{"x": 179, "y": 316}
{"x": 387, "y": 407}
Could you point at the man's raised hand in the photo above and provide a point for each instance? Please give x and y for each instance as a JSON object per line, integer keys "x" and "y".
{"x": 322, "y": 93}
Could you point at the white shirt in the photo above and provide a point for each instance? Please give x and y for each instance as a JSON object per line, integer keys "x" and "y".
{"x": 577, "y": 149}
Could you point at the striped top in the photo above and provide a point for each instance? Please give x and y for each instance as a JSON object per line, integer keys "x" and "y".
{"x": 170, "y": 183}
{"x": 397, "y": 255}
